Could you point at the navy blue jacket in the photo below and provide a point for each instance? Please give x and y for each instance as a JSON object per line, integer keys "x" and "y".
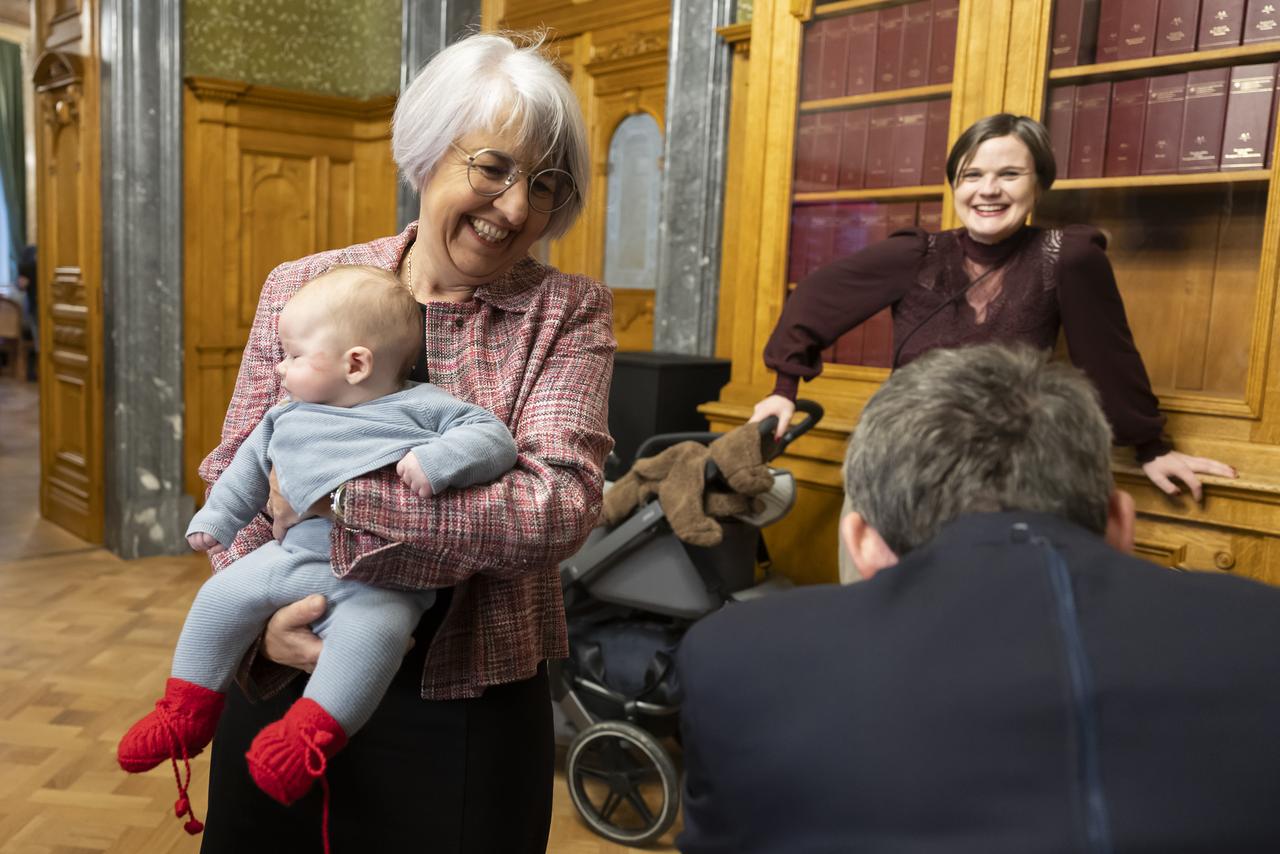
{"x": 1014, "y": 686}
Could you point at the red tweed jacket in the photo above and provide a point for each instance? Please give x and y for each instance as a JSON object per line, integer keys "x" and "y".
{"x": 535, "y": 348}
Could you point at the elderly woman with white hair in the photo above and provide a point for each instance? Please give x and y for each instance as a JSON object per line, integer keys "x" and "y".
{"x": 459, "y": 756}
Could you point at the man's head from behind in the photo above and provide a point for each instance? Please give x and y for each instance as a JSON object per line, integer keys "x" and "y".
{"x": 977, "y": 430}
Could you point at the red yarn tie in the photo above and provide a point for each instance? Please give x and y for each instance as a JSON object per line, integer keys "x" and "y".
{"x": 182, "y": 806}
{"x": 316, "y": 763}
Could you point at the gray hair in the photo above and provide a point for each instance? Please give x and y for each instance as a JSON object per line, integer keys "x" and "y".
{"x": 493, "y": 82}
{"x": 974, "y": 430}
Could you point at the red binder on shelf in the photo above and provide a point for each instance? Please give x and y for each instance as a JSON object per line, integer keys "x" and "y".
{"x": 811, "y": 61}
{"x": 892, "y": 22}
{"x": 1089, "y": 130}
{"x": 929, "y": 217}
{"x": 917, "y": 32}
{"x": 1061, "y": 116}
{"x": 1249, "y": 107}
{"x": 804, "y": 180}
{"x": 826, "y": 151}
{"x": 934, "y": 169}
{"x": 1108, "y": 48}
{"x": 864, "y": 28}
{"x": 1176, "y": 27}
{"x": 1162, "y": 135}
{"x": 1261, "y": 21}
{"x": 1203, "y": 118}
{"x": 1221, "y": 23}
{"x": 853, "y": 149}
{"x": 1075, "y": 33}
{"x": 942, "y": 45}
{"x": 797, "y": 252}
{"x": 1137, "y": 29}
{"x": 1124, "y": 132}
{"x": 878, "y": 173}
{"x": 908, "y": 144}
{"x": 835, "y": 58}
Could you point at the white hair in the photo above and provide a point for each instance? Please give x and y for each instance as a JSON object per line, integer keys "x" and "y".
{"x": 493, "y": 82}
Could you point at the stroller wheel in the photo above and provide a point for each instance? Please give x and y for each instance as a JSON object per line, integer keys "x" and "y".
{"x": 622, "y": 782}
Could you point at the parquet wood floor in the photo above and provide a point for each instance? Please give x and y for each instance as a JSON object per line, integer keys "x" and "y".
{"x": 85, "y": 642}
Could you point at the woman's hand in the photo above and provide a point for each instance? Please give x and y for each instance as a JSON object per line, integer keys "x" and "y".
{"x": 289, "y": 640}
{"x": 1163, "y": 469}
{"x": 284, "y": 517}
{"x": 775, "y": 404}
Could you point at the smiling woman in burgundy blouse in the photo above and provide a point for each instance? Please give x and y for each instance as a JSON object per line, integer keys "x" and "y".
{"x": 995, "y": 279}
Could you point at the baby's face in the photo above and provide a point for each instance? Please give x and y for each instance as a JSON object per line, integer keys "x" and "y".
{"x": 314, "y": 369}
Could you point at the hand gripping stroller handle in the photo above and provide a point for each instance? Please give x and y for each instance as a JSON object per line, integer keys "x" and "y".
{"x": 813, "y": 412}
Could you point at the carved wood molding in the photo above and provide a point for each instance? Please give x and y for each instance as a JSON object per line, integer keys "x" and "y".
{"x": 213, "y": 89}
{"x": 737, "y": 36}
{"x": 55, "y": 69}
{"x": 636, "y": 48}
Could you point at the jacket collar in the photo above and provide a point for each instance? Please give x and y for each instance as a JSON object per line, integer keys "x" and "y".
{"x": 515, "y": 290}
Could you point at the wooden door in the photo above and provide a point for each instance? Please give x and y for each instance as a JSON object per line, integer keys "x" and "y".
{"x": 615, "y": 53}
{"x": 68, "y": 210}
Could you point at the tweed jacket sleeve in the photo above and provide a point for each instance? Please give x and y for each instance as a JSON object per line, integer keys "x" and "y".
{"x": 538, "y": 513}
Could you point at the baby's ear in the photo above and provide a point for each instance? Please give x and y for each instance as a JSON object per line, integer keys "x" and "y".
{"x": 359, "y": 364}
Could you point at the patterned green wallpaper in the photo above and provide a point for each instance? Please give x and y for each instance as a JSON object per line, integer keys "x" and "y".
{"x": 337, "y": 47}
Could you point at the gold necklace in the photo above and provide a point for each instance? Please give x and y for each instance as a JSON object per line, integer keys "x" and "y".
{"x": 408, "y": 272}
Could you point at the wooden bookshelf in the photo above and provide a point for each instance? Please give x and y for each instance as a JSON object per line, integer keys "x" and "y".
{"x": 883, "y": 194}
{"x": 1127, "y": 68}
{"x": 891, "y": 96}
{"x": 1242, "y": 176}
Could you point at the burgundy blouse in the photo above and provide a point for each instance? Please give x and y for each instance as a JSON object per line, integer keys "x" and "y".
{"x": 1041, "y": 279}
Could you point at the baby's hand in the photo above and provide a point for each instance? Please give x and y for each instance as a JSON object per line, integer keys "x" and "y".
{"x": 202, "y": 542}
{"x": 410, "y": 471}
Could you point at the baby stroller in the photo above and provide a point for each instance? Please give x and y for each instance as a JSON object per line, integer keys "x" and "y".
{"x": 630, "y": 594}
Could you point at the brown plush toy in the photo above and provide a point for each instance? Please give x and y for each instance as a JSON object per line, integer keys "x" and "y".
{"x": 677, "y": 477}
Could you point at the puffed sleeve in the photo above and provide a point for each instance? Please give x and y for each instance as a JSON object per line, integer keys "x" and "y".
{"x": 1101, "y": 344}
{"x": 828, "y": 303}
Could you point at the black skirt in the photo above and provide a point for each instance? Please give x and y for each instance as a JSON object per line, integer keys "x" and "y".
{"x": 450, "y": 777}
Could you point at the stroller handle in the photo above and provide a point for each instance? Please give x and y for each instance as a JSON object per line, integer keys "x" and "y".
{"x": 813, "y": 412}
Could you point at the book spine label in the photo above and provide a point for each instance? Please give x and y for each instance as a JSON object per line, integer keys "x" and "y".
{"x": 917, "y": 32}
{"x": 1089, "y": 130}
{"x": 942, "y": 47}
{"x": 1138, "y": 29}
{"x": 879, "y": 169}
{"x": 853, "y": 149}
{"x": 864, "y": 28}
{"x": 889, "y": 48}
{"x": 1221, "y": 23}
{"x": 1162, "y": 134}
{"x": 908, "y": 145}
{"x": 1261, "y": 21}
{"x": 1203, "y": 120}
{"x": 1249, "y": 100}
{"x": 1062, "y": 109}
{"x": 1176, "y": 27}
{"x": 934, "y": 169}
{"x": 1124, "y": 134}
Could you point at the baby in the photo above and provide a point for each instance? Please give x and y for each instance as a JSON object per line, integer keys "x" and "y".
{"x": 350, "y": 338}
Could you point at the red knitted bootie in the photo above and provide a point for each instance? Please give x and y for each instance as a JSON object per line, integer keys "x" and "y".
{"x": 292, "y": 753}
{"x": 181, "y": 726}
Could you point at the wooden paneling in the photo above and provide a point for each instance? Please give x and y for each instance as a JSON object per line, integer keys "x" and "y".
{"x": 70, "y": 283}
{"x": 615, "y": 53}
{"x": 270, "y": 175}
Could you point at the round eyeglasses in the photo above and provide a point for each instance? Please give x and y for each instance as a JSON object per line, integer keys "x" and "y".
{"x": 491, "y": 173}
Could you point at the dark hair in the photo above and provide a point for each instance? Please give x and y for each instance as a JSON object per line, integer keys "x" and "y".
{"x": 979, "y": 430}
{"x": 1032, "y": 134}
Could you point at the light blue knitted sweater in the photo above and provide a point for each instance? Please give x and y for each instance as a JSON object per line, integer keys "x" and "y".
{"x": 315, "y": 448}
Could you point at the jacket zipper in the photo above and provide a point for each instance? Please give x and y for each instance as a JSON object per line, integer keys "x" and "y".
{"x": 1083, "y": 702}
